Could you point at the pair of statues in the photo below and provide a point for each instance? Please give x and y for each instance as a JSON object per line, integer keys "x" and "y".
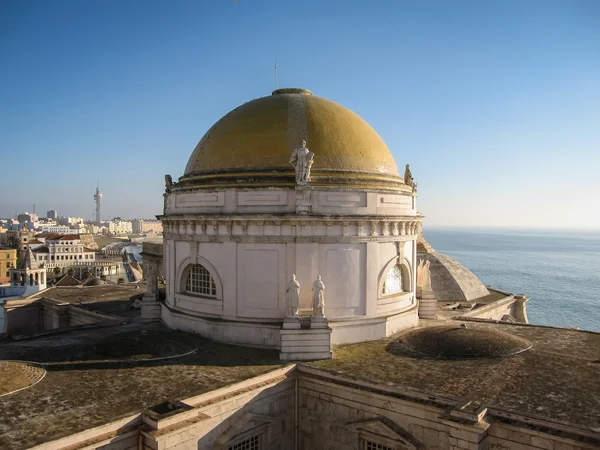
{"x": 292, "y": 297}
{"x": 302, "y": 160}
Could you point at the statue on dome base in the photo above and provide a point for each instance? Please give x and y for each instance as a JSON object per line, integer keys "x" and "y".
{"x": 423, "y": 278}
{"x": 318, "y": 298}
{"x": 302, "y": 160}
{"x": 408, "y": 178}
{"x": 292, "y": 295}
{"x": 167, "y": 199}
{"x": 168, "y": 183}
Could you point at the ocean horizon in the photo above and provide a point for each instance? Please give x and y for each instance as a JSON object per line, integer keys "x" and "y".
{"x": 558, "y": 269}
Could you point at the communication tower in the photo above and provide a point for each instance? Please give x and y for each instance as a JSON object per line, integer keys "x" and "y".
{"x": 98, "y": 200}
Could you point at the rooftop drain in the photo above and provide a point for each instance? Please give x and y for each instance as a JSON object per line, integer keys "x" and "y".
{"x": 167, "y": 409}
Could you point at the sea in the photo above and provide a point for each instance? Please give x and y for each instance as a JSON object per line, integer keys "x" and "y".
{"x": 559, "y": 270}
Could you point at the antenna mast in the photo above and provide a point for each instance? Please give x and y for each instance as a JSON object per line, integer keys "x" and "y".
{"x": 276, "y": 72}
{"x": 98, "y": 200}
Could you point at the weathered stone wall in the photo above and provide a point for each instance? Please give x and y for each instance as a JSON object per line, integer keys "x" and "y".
{"x": 331, "y": 413}
{"x": 511, "y": 305}
{"x": 268, "y": 411}
{"x": 22, "y": 316}
{"x": 501, "y": 436}
{"x": 79, "y": 316}
{"x": 494, "y": 311}
{"x": 325, "y": 410}
{"x": 55, "y": 314}
{"x": 49, "y": 318}
{"x": 129, "y": 442}
{"x": 275, "y": 404}
{"x": 30, "y": 316}
{"x": 331, "y": 416}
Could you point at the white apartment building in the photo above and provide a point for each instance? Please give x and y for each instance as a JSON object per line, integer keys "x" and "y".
{"x": 64, "y": 250}
{"x": 117, "y": 226}
{"x": 146, "y": 226}
{"x": 67, "y": 252}
{"x": 70, "y": 220}
{"x": 60, "y": 229}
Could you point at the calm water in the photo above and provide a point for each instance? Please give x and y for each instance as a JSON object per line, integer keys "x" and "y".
{"x": 136, "y": 249}
{"x": 560, "y": 271}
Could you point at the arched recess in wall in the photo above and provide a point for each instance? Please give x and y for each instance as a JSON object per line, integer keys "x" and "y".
{"x": 201, "y": 277}
{"x": 395, "y": 278}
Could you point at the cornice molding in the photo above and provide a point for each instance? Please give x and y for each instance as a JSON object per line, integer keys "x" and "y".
{"x": 315, "y": 228}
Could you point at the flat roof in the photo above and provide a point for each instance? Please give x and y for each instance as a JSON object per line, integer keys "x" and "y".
{"x": 557, "y": 379}
{"x": 114, "y": 380}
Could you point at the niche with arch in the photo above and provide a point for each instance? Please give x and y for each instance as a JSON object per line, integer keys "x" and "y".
{"x": 395, "y": 286}
{"x": 199, "y": 289}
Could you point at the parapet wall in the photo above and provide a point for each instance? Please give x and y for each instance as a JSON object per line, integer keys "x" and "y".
{"x": 27, "y": 317}
{"x": 298, "y": 407}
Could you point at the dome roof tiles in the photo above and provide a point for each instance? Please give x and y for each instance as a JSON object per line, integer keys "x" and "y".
{"x": 255, "y": 140}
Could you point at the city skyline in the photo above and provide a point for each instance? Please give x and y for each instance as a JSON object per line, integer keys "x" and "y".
{"x": 494, "y": 106}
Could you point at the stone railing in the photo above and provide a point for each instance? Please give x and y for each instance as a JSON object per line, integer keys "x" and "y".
{"x": 309, "y": 226}
{"x": 51, "y": 265}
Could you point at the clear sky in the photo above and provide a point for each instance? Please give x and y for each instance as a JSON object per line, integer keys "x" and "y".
{"x": 495, "y": 104}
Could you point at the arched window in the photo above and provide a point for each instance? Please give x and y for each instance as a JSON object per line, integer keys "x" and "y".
{"x": 199, "y": 281}
{"x": 393, "y": 282}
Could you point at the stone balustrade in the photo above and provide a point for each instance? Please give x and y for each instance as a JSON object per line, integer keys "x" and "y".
{"x": 296, "y": 227}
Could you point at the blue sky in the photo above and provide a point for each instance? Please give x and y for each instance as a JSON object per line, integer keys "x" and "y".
{"x": 495, "y": 104}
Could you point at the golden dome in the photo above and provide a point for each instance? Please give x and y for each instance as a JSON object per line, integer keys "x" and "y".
{"x": 251, "y": 146}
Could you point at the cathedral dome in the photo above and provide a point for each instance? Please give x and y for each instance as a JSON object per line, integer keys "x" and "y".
{"x": 251, "y": 146}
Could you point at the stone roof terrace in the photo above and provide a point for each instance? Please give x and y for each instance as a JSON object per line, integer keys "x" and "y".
{"x": 99, "y": 375}
{"x": 557, "y": 379}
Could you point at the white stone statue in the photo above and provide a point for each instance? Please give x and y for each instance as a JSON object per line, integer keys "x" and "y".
{"x": 420, "y": 275}
{"x": 318, "y": 298}
{"x": 302, "y": 160}
{"x": 426, "y": 280}
{"x": 292, "y": 295}
{"x": 150, "y": 273}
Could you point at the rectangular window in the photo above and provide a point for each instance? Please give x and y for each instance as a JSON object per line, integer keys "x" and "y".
{"x": 370, "y": 445}
{"x": 252, "y": 443}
